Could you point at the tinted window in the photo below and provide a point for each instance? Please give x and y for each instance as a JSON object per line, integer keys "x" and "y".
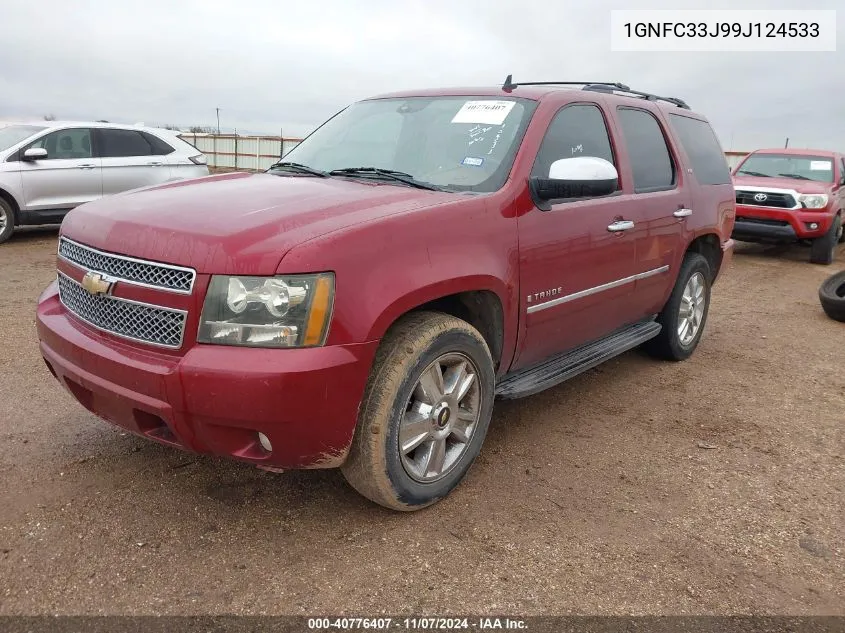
{"x": 159, "y": 147}
{"x": 701, "y": 145}
{"x": 65, "y": 144}
{"x": 577, "y": 130}
{"x": 842, "y": 171}
{"x": 650, "y": 159}
{"x": 115, "y": 143}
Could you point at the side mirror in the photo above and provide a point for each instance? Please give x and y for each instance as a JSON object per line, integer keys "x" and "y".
{"x": 578, "y": 177}
{"x": 35, "y": 153}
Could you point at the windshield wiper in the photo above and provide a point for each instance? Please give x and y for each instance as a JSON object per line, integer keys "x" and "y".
{"x": 299, "y": 168}
{"x": 753, "y": 173}
{"x": 389, "y": 174}
{"x": 796, "y": 176}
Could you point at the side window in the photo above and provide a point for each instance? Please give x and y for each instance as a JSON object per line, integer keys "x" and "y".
{"x": 576, "y": 130}
{"x": 701, "y": 145}
{"x": 65, "y": 144}
{"x": 842, "y": 171}
{"x": 121, "y": 143}
{"x": 651, "y": 162}
{"x": 159, "y": 147}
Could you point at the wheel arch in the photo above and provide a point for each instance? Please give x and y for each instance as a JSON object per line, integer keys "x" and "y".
{"x": 16, "y": 208}
{"x": 710, "y": 247}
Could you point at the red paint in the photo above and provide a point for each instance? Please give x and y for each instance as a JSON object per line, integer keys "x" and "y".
{"x": 392, "y": 248}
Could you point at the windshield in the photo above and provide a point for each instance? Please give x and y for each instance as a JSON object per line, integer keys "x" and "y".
{"x": 458, "y": 143}
{"x": 14, "y": 134}
{"x": 816, "y": 168}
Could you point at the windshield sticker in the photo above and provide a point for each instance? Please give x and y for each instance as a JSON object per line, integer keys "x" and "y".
{"x": 471, "y": 161}
{"x": 819, "y": 165}
{"x": 484, "y": 112}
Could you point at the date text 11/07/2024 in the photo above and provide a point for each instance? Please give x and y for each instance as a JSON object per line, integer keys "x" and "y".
{"x": 417, "y": 624}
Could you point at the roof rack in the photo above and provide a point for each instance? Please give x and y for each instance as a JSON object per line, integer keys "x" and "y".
{"x": 610, "y": 87}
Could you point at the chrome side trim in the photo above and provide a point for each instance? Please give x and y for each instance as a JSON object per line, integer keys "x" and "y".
{"x": 788, "y": 192}
{"x": 145, "y": 262}
{"x": 596, "y": 289}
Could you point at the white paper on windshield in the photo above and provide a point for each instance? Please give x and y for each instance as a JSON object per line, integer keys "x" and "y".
{"x": 819, "y": 165}
{"x": 486, "y": 112}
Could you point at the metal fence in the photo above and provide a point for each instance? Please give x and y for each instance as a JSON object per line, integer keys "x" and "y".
{"x": 259, "y": 152}
{"x": 241, "y": 152}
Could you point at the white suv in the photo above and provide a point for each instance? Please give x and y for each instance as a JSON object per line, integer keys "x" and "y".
{"x": 49, "y": 167}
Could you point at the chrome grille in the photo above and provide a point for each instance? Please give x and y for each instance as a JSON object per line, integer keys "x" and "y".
{"x": 772, "y": 199}
{"x": 128, "y": 319}
{"x": 137, "y": 271}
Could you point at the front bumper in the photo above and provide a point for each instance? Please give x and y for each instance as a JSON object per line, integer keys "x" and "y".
{"x": 766, "y": 224}
{"x": 213, "y": 399}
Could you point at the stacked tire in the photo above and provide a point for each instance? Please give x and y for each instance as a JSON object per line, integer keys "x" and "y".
{"x": 832, "y": 296}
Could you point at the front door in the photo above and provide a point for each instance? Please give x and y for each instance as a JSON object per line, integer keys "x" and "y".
{"x": 577, "y": 258}
{"x": 68, "y": 177}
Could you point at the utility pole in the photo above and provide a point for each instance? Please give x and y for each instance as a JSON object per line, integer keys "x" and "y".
{"x": 218, "y": 121}
{"x": 787, "y": 143}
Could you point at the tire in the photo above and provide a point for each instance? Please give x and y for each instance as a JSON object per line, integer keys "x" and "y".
{"x": 7, "y": 220}
{"x": 823, "y": 249}
{"x": 670, "y": 344}
{"x": 418, "y": 344}
{"x": 832, "y": 296}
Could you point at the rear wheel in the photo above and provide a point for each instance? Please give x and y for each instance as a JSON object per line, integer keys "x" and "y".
{"x": 7, "y": 220}
{"x": 823, "y": 249}
{"x": 685, "y": 313}
{"x": 425, "y": 412}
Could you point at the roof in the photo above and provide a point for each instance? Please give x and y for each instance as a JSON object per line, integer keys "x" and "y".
{"x": 800, "y": 151}
{"x": 91, "y": 124}
{"x": 533, "y": 93}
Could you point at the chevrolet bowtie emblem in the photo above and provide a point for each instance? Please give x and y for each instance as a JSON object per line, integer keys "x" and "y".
{"x": 97, "y": 284}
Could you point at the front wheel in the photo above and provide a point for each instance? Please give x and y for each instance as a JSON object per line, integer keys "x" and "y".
{"x": 823, "y": 249}
{"x": 425, "y": 412}
{"x": 685, "y": 313}
{"x": 7, "y": 220}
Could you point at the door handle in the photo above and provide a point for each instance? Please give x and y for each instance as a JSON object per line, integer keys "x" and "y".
{"x": 87, "y": 166}
{"x": 155, "y": 163}
{"x": 682, "y": 213}
{"x": 620, "y": 225}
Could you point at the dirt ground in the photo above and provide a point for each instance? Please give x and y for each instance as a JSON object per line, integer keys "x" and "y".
{"x": 711, "y": 486}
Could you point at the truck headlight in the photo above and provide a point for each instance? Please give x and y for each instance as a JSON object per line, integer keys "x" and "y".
{"x": 286, "y": 311}
{"x": 813, "y": 200}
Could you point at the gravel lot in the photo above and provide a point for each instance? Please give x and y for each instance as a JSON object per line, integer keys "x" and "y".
{"x": 710, "y": 486}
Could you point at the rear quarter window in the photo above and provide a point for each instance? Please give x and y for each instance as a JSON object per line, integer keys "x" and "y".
{"x": 709, "y": 165}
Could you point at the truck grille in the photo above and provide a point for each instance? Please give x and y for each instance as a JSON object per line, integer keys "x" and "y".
{"x": 137, "y": 271}
{"x": 128, "y": 319}
{"x": 777, "y": 200}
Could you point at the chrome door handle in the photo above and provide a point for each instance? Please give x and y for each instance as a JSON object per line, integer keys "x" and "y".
{"x": 682, "y": 213}
{"x": 155, "y": 163}
{"x": 87, "y": 166}
{"x": 620, "y": 225}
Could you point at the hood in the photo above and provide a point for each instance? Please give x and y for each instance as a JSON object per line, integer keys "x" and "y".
{"x": 801, "y": 186}
{"x": 235, "y": 223}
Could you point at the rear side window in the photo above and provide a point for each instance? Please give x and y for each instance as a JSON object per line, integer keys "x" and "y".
{"x": 651, "y": 161}
{"x": 576, "y": 130}
{"x": 158, "y": 146}
{"x": 120, "y": 143}
{"x": 701, "y": 145}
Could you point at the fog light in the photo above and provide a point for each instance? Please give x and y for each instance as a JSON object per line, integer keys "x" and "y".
{"x": 813, "y": 226}
{"x": 265, "y": 442}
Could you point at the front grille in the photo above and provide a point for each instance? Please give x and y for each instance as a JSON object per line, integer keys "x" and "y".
{"x": 777, "y": 200}
{"x": 153, "y": 274}
{"x": 129, "y": 319}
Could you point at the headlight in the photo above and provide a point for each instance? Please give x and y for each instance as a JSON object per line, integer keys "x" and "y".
{"x": 288, "y": 311}
{"x": 813, "y": 200}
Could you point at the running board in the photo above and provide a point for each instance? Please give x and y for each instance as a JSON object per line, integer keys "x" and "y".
{"x": 564, "y": 366}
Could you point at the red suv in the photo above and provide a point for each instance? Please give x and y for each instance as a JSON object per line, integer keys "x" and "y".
{"x": 363, "y": 303}
{"x": 789, "y": 195}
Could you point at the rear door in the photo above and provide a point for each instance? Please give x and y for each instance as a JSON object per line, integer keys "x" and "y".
{"x": 68, "y": 177}
{"x": 575, "y": 266}
{"x": 129, "y": 160}
{"x": 658, "y": 204}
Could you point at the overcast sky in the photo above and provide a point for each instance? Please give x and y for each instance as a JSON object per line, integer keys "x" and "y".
{"x": 270, "y": 64}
